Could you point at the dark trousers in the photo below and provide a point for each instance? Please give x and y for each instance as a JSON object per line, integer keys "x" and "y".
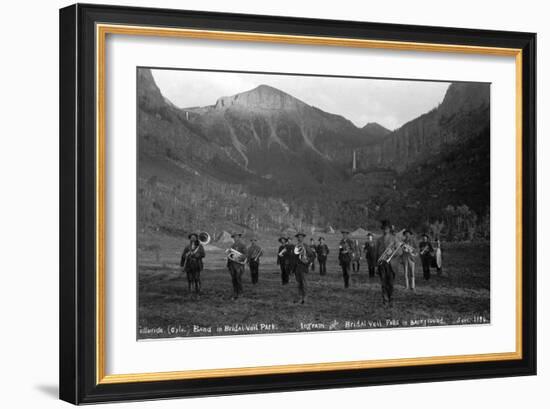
{"x": 300, "y": 274}
{"x": 345, "y": 272}
{"x": 371, "y": 268}
{"x": 313, "y": 265}
{"x": 426, "y": 260}
{"x": 254, "y": 271}
{"x": 236, "y": 270}
{"x": 285, "y": 273}
{"x": 193, "y": 278}
{"x": 355, "y": 265}
{"x": 322, "y": 265}
{"x": 387, "y": 277}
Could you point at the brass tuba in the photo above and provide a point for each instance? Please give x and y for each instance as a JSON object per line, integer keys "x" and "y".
{"x": 236, "y": 256}
{"x": 257, "y": 254}
{"x": 204, "y": 238}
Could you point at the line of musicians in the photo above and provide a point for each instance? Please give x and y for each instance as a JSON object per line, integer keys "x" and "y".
{"x": 298, "y": 258}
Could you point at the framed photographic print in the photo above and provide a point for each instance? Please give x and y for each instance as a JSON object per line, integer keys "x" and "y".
{"x": 258, "y": 203}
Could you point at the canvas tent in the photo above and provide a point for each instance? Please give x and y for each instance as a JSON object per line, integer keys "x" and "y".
{"x": 360, "y": 232}
{"x": 225, "y": 237}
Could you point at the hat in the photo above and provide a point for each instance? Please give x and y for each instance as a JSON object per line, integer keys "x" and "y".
{"x": 386, "y": 224}
{"x": 321, "y": 238}
{"x": 407, "y": 231}
{"x": 300, "y": 234}
{"x": 283, "y": 238}
{"x": 238, "y": 234}
{"x": 425, "y": 235}
{"x": 193, "y": 234}
{"x": 369, "y": 234}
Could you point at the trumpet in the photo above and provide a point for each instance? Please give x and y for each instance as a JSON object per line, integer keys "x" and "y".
{"x": 235, "y": 256}
{"x": 424, "y": 250}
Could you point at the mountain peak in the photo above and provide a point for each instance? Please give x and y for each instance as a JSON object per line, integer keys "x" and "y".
{"x": 261, "y": 97}
{"x": 374, "y": 129}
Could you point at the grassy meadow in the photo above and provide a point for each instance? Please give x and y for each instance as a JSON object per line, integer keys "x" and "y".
{"x": 166, "y": 308}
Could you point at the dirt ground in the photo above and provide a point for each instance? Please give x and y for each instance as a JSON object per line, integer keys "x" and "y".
{"x": 460, "y": 296}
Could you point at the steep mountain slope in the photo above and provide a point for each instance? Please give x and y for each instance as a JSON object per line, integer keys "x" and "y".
{"x": 275, "y": 135}
{"x": 375, "y": 132}
{"x": 438, "y": 159}
{"x": 263, "y": 159}
{"x": 463, "y": 114}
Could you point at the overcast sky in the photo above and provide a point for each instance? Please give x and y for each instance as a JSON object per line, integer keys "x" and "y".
{"x": 391, "y": 103}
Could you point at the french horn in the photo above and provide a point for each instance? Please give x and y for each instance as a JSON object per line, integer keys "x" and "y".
{"x": 300, "y": 251}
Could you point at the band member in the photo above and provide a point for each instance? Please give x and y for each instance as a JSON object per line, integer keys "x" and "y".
{"x": 426, "y": 255}
{"x": 254, "y": 254}
{"x": 355, "y": 256}
{"x": 292, "y": 266}
{"x": 236, "y": 267}
{"x": 322, "y": 254}
{"x": 408, "y": 257}
{"x": 313, "y": 248}
{"x": 385, "y": 270}
{"x": 303, "y": 256}
{"x": 344, "y": 255}
{"x": 437, "y": 257}
{"x": 191, "y": 262}
{"x": 370, "y": 254}
{"x": 284, "y": 255}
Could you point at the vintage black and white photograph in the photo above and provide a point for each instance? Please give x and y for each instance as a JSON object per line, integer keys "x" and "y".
{"x": 280, "y": 203}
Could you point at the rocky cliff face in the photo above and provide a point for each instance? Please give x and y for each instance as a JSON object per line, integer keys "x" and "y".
{"x": 272, "y": 134}
{"x": 260, "y": 98}
{"x": 265, "y": 144}
{"x": 463, "y": 114}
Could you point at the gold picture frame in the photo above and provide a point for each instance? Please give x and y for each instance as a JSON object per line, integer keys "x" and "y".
{"x": 97, "y": 21}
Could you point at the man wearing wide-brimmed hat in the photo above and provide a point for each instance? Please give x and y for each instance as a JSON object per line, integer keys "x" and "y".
{"x": 322, "y": 254}
{"x": 385, "y": 270}
{"x": 370, "y": 253}
{"x": 408, "y": 258}
{"x": 426, "y": 255}
{"x": 313, "y": 248}
{"x": 191, "y": 262}
{"x": 284, "y": 254}
{"x": 344, "y": 255}
{"x": 302, "y": 261}
{"x": 254, "y": 254}
{"x": 236, "y": 266}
